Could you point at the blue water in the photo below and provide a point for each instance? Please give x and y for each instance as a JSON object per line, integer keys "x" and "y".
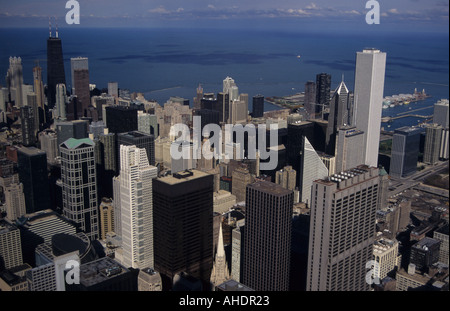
{"x": 168, "y": 62}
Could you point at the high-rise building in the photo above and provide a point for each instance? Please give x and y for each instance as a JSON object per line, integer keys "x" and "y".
{"x": 440, "y": 114}
{"x": 405, "y": 151}
{"x": 77, "y": 63}
{"x": 39, "y": 90}
{"x": 55, "y": 68}
{"x": 223, "y": 100}
{"x": 339, "y": 115}
{"x": 81, "y": 90}
{"x": 266, "y": 261}
{"x": 105, "y": 155}
{"x": 79, "y": 184}
{"x": 61, "y": 102}
{"x": 424, "y": 253}
{"x": 444, "y": 150}
{"x": 385, "y": 253}
{"x": 369, "y": 88}
{"x": 433, "y": 139}
{"x": 148, "y": 123}
{"x": 342, "y": 230}
{"x": 10, "y": 247}
{"x": 149, "y": 280}
{"x": 27, "y": 124}
{"x": 286, "y": 177}
{"x": 310, "y": 99}
{"x": 441, "y": 234}
{"x": 14, "y": 81}
{"x": 113, "y": 89}
{"x": 15, "y": 201}
{"x": 121, "y": 119}
{"x": 106, "y": 211}
{"x": 258, "y": 106}
{"x": 77, "y": 129}
{"x": 183, "y": 224}
{"x": 136, "y": 178}
{"x": 323, "y": 89}
{"x": 140, "y": 140}
{"x": 32, "y": 167}
{"x": 312, "y": 168}
{"x": 241, "y": 177}
{"x": 349, "y": 153}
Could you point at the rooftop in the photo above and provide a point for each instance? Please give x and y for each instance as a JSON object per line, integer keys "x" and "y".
{"x": 180, "y": 177}
{"x": 269, "y": 187}
{"x": 100, "y": 270}
{"x": 73, "y": 143}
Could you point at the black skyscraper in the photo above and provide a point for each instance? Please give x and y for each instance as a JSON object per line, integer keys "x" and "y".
{"x": 258, "y": 106}
{"x": 183, "y": 224}
{"x": 32, "y": 167}
{"x": 121, "y": 119}
{"x": 323, "y": 87}
{"x": 55, "y": 68}
{"x": 140, "y": 140}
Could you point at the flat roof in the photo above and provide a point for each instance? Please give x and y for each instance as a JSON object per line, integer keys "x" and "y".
{"x": 182, "y": 177}
{"x": 269, "y": 187}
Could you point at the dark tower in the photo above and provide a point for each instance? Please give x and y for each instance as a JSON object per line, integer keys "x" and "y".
{"x": 323, "y": 87}
{"x": 55, "y": 67}
{"x": 258, "y": 106}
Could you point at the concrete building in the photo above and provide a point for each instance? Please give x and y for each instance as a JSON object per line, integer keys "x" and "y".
{"x": 405, "y": 152}
{"x": 349, "y": 153}
{"x": 440, "y": 114}
{"x": 149, "y": 280}
{"x": 136, "y": 205}
{"x": 385, "y": 253}
{"x": 342, "y": 230}
{"x": 15, "y": 201}
{"x": 286, "y": 177}
{"x": 106, "y": 211}
{"x": 425, "y": 253}
{"x": 241, "y": 177}
{"x": 369, "y": 88}
{"x": 49, "y": 144}
{"x": 433, "y": 139}
{"x": 223, "y": 201}
{"x": 10, "y": 245}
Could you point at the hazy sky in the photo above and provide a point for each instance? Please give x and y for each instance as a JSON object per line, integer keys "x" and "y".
{"x": 409, "y": 14}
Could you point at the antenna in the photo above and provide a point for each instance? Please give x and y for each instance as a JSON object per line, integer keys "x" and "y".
{"x": 56, "y": 27}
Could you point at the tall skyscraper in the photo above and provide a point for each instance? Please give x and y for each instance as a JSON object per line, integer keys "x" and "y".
{"x": 310, "y": 99}
{"x": 55, "y": 67}
{"x": 10, "y": 248}
{"x": 15, "y": 201}
{"x": 323, "y": 89}
{"x": 266, "y": 261}
{"x": 369, "y": 89}
{"x": 14, "y": 81}
{"x": 140, "y": 140}
{"x": 286, "y": 177}
{"x": 433, "y": 138}
{"x": 148, "y": 123}
{"x": 183, "y": 224}
{"x": 342, "y": 230}
{"x": 405, "y": 151}
{"x": 121, "y": 119}
{"x": 79, "y": 184}
{"x": 32, "y": 167}
{"x": 113, "y": 89}
{"x": 106, "y": 212}
{"x": 258, "y": 106}
{"x": 80, "y": 84}
{"x": 339, "y": 115}
{"x": 27, "y": 124}
{"x": 39, "y": 90}
{"x": 136, "y": 178}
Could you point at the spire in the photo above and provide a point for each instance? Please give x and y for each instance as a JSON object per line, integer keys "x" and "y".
{"x": 220, "y": 273}
{"x": 49, "y": 27}
{"x": 56, "y": 27}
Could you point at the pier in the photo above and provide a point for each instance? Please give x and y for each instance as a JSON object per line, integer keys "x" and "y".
{"x": 389, "y": 119}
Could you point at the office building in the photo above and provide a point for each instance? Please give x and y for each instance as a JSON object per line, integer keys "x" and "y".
{"x": 440, "y": 113}
{"x": 312, "y": 168}
{"x": 140, "y": 140}
{"x": 40, "y": 95}
{"x": 121, "y": 119}
{"x": 441, "y": 234}
{"x": 286, "y": 177}
{"x": 310, "y": 99}
{"x": 148, "y": 123}
{"x": 77, "y": 129}
{"x": 15, "y": 201}
{"x": 77, "y": 63}
{"x": 349, "y": 153}
{"x": 185, "y": 243}
{"x": 368, "y": 94}
{"x": 10, "y": 245}
{"x": 113, "y": 89}
{"x": 32, "y": 167}
{"x": 14, "y": 81}
{"x": 82, "y": 91}
{"x": 258, "y": 106}
{"x": 61, "y": 102}
{"x": 323, "y": 90}
{"x": 385, "y": 253}
{"x": 136, "y": 178}
{"x": 443, "y": 151}
{"x": 55, "y": 68}
{"x": 27, "y": 124}
{"x": 237, "y": 246}
{"x": 266, "y": 261}
{"x": 339, "y": 116}
{"x": 405, "y": 151}
{"x": 425, "y": 253}
{"x": 79, "y": 184}
{"x": 14, "y": 280}
{"x": 106, "y": 211}
{"x": 149, "y": 280}
{"x": 342, "y": 230}
{"x": 241, "y": 177}
{"x": 433, "y": 139}
{"x": 49, "y": 144}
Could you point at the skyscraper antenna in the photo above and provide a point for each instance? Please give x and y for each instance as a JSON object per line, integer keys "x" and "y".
{"x": 342, "y": 77}
{"x": 56, "y": 27}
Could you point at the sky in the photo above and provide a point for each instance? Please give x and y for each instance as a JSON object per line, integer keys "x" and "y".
{"x": 412, "y": 15}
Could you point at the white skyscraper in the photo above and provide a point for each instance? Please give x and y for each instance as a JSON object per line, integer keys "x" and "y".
{"x": 313, "y": 168}
{"x": 369, "y": 88}
{"x": 61, "y": 99}
{"x": 14, "y": 80}
{"x": 136, "y": 207}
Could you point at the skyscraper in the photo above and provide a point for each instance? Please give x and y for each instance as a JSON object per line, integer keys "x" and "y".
{"x": 432, "y": 143}
{"x": 61, "y": 101}
{"x": 106, "y": 212}
{"x": 14, "y": 81}
{"x": 121, "y": 119}
{"x": 80, "y": 83}
{"x": 349, "y": 153}
{"x": 369, "y": 88}
{"x": 32, "y": 167}
{"x": 440, "y": 114}
{"x": 140, "y": 140}
{"x": 10, "y": 248}
{"x": 39, "y": 90}
{"x": 339, "y": 115}
{"x": 27, "y": 124}
{"x": 258, "y": 106}
{"x": 310, "y": 99}
{"x": 15, "y": 201}
{"x": 405, "y": 151}
{"x": 79, "y": 184}
{"x": 342, "y": 230}
{"x": 55, "y": 67}
{"x": 323, "y": 89}
{"x": 136, "y": 178}
{"x": 183, "y": 224}
{"x": 266, "y": 261}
